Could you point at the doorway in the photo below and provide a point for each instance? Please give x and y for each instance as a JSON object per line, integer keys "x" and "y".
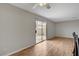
{"x": 40, "y": 31}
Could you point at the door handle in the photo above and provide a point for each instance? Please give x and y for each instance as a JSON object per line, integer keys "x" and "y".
{"x": 35, "y": 31}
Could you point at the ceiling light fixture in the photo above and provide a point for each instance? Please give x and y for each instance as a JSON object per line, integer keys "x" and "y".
{"x": 42, "y": 4}
{"x": 46, "y": 5}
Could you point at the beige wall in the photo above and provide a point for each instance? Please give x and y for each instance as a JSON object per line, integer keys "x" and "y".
{"x": 65, "y": 29}
{"x": 17, "y": 29}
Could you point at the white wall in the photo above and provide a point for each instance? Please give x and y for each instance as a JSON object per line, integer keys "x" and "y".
{"x": 65, "y": 29}
{"x": 51, "y": 30}
{"x": 17, "y": 29}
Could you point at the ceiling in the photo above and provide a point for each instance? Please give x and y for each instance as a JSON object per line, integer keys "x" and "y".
{"x": 57, "y": 13}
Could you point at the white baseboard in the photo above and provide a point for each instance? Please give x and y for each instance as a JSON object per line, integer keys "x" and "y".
{"x": 64, "y": 35}
{"x": 18, "y": 50}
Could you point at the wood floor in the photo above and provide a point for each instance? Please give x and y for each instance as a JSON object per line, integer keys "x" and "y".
{"x": 52, "y": 47}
